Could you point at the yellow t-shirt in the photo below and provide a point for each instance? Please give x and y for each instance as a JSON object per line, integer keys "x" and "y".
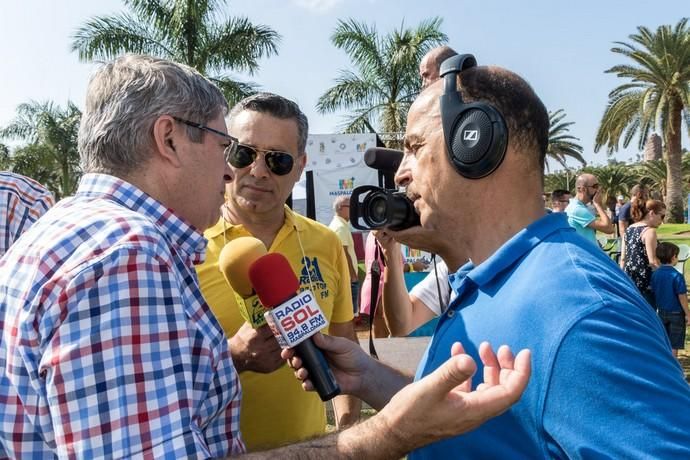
{"x": 275, "y": 409}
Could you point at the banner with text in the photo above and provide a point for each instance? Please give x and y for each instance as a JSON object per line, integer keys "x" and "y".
{"x": 337, "y": 162}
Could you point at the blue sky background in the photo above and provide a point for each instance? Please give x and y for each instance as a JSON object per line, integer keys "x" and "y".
{"x": 562, "y": 48}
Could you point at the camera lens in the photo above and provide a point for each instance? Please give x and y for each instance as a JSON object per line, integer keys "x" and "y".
{"x": 379, "y": 208}
{"x": 375, "y": 209}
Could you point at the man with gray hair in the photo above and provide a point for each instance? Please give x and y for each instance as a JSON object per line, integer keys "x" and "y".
{"x": 107, "y": 347}
{"x": 340, "y": 225}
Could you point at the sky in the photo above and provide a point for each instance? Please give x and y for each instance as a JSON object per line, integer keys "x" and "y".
{"x": 562, "y": 48}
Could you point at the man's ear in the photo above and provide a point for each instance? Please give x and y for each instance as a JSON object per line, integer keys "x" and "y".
{"x": 301, "y": 162}
{"x": 166, "y": 133}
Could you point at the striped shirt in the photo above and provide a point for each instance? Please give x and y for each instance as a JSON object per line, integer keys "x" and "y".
{"x": 22, "y": 202}
{"x": 107, "y": 347}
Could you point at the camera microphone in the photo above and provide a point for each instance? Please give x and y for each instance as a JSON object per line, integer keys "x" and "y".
{"x": 385, "y": 160}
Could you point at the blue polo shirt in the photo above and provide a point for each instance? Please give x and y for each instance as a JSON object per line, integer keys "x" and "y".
{"x": 667, "y": 283}
{"x": 604, "y": 383}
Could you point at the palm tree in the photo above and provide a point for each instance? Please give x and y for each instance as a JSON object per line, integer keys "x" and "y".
{"x": 654, "y": 174}
{"x": 50, "y": 155}
{"x": 5, "y": 159}
{"x": 561, "y": 144}
{"x": 379, "y": 93}
{"x": 560, "y": 180}
{"x": 658, "y": 95}
{"x": 193, "y": 32}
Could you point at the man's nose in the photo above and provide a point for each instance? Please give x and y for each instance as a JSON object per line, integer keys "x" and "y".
{"x": 403, "y": 176}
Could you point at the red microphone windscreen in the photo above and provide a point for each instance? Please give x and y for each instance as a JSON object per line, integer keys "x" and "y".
{"x": 273, "y": 279}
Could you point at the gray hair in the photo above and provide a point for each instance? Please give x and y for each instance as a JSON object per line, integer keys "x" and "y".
{"x": 338, "y": 202}
{"x": 279, "y": 107}
{"x": 124, "y": 99}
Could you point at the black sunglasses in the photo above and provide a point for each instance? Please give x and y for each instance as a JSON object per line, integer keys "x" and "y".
{"x": 279, "y": 163}
{"x": 232, "y": 141}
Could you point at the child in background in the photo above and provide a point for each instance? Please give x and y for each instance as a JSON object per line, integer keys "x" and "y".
{"x": 670, "y": 296}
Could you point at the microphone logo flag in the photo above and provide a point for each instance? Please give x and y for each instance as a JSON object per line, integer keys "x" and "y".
{"x": 296, "y": 320}
{"x": 251, "y": 310}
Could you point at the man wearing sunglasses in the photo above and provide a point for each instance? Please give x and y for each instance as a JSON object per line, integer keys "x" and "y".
{"x": 579, "y": 215}
{"x": 272, "y": 133}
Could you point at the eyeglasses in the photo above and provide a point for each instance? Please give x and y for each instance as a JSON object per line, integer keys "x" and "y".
{"x": 593, "y": 186}
{"x": 279, "y": 163}
{"x": 230, "y": 149}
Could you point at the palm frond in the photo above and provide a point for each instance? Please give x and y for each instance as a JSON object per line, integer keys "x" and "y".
{"x": 110, "y": 36}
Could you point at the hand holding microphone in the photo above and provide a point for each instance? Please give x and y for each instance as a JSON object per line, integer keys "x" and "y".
{"x": 293, "y": 317}
{"x": 253, "y": 346}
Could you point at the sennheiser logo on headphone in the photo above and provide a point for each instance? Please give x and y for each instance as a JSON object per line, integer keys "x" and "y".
{"x": 470, "y": 135}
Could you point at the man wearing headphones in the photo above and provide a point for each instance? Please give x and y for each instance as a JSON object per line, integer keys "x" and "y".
{"x": 604, "y": 382}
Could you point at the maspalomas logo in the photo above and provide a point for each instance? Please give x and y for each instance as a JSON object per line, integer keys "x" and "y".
{"x": 470, "y": 135}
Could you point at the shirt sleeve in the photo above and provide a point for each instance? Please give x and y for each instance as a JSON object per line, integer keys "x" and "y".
{"x": 124, "y": 368}
{"x": 580, "y": 216}
{"x": 427, "y": 290}
{"x": 624, "y": 213}
{"x": 679, "y": 285}
{"x": 342, "y": 303}
{"x": 624, "y": 402}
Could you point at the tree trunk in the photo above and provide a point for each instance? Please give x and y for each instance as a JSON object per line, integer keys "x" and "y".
{"x": 674, "y": 183}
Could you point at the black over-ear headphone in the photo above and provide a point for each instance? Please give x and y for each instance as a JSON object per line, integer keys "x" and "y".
{"x": 476, "y": 134}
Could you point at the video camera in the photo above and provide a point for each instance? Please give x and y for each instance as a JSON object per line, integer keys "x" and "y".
{"x": 373, "y": 207}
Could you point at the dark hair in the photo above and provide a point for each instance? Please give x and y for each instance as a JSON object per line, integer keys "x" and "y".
{"x": 279, "y": 107}
{"x": 639, "y": 209}
{"x": 558, "y": 194}
{"x": 525, "y": 115}
{"x": 666, "y": 251}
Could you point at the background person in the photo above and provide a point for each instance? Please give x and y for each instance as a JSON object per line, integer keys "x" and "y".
{"x": 559, "y": 200}
{"x": 638, "y": 258}
{"x": 579, "y": 215}
{"x": 671, "y": 296}
{"x": 22, "y": 202}
{"x": 638, "y": 193}
{"x": 340, "y": 224}
{"x": 431, "y": 63}
{"x": 404, "y": 312}
{"x": 272, "y": 133}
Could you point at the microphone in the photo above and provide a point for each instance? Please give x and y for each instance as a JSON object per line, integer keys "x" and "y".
{"x": 385, "y": 160}
{"x": 293, "y": 317}
{"x": 234, "y": 261}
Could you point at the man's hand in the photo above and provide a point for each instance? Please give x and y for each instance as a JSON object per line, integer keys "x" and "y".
{"x": 347, "y": 360}
{"x": 596, "y": 199}
{"x": 442, "y": 405}
{"x": 255, "y": 350}
{"x": 419, "y": 265}
{"x": 415, "y": 237}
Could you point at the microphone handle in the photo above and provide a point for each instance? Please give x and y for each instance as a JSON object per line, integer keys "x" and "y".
{"x": 319, "y": 372}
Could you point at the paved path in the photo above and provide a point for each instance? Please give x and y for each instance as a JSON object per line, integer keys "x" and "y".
{"x": 400, "y": 352}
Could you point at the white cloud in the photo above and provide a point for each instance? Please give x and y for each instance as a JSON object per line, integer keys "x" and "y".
{"x": 317, "y": 6}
